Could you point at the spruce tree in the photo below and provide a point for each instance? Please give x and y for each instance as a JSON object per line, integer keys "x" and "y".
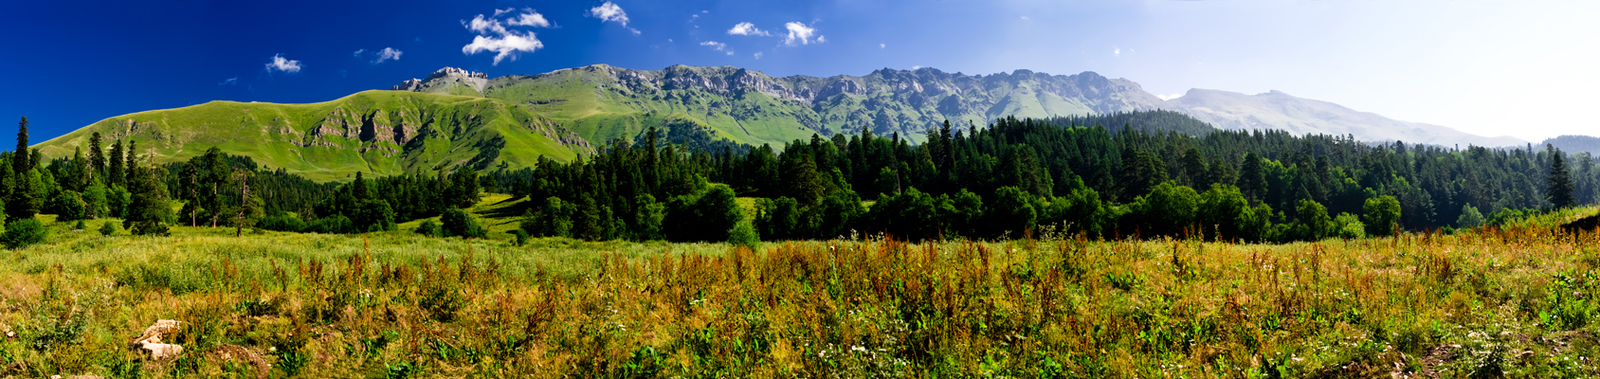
{"x": 23, "y": 202}
{"x": 114, "y": 173}
{"x": 148, "y": 211}
{"x": 97, "y": 154}
{"x": 19, "y": 160}
{"x": 1252, "y": 177}
{"x": 1560, "y": 190}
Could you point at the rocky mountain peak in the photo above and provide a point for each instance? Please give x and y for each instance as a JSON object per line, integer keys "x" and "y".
{"x": 444, "y": 77}
{"x": 456, "y": 72}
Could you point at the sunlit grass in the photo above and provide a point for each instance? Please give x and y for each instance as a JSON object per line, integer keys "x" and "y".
{"x": 1516, "y": 302}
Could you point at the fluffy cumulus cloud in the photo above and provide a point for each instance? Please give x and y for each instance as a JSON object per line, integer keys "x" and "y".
{"x": 610, "y": 12}
{"x": 800, "y": 34}
{"x": 530, "y": 19}
{"x": 495, "y": 36}
{"x": 747, "y": 29}
{"x": 279, "y": 63}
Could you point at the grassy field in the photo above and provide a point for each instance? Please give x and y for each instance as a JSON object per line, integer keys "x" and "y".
{"x": 1517, "y": 302}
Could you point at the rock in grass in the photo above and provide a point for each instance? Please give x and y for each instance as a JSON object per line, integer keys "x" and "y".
{"x": 151, "y": 340}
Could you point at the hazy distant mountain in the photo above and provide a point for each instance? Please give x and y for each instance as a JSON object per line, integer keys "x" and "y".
{"x": 1573, "y": 144}
{"x": 1278, "y": 110}
{"x": 602, "y": 102}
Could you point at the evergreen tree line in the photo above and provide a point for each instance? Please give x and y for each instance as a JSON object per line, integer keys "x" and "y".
{"x": 113, "y": 180}
{"x": 1021, "y": 175}
{"x": 1014, "y": 176}
{"x": 115, "y": 184}
{"x": 366, "y": 205}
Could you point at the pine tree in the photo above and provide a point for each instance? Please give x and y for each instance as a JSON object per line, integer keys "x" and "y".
{"x": 148, "y": 211}
{"x": 128, "y": 160}
{"x": 359, "y": 188}
{"x": 20, "y": 161}
{"x": 23, "y": 202}
{"x": 97, "y": 155}
{"x": 1560, "y": 190}
{"x": 1252, "y": 178}
{"x": 115, "y": 171}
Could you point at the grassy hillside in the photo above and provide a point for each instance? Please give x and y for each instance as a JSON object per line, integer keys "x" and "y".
{"x": 1516, "y": 303}
{"x": 381, "y": 132}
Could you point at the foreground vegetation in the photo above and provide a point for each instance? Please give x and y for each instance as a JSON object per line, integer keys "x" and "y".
{"x": 1515, "y": 302}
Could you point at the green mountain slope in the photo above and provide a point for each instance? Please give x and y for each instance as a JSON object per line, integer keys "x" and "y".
{"x": 602, "y": 102}
{"x": 378, "y": 132}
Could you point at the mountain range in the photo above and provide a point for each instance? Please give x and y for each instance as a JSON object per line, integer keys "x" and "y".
{"x": 455, "y": 118}
{"x": 599, "y": 102}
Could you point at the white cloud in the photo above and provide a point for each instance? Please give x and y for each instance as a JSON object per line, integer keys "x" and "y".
{"x": 283, "y": 64}
{"x": 880, "y": 46}
{"x": 799, "y": 33}
{"x": 758, "y": 55}
{"x": 484, "y": 25}
{"x": 718, "y": 46}
{"x": 530, "y": 18}
{"x": 229, "y": 81}
{"x": 747, "y": 29}
{"x": 387, "y": 54}
{"x": 1024, "y": 18}
{"x": 358, "y": 52}
{"x": 613, "y": 13}
{"x": 1169, "y": 97}
{"x": 915, "y": 67}
{"x": 1116, "y": 51}
{"x": 507, "y": 45}
{"x": 495, "y": 36}
{"x": 821, "y": 39}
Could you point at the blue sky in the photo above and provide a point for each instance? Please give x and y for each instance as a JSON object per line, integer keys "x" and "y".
{"x": 1520, "y": 68}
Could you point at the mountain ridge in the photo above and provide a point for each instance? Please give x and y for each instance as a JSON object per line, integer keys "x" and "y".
{"x": 906, "y": 102}
{"x": 378, "y": 132}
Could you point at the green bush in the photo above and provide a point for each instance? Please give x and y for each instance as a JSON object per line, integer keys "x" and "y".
{"x": 459, "y": 223}
{"x": 149, "y": 228}
{"x": 108, "y": 228}
{"x": 24, "y": 232}
{"x": 743, "y": 234}
{"x": 282, "y": 223}
{"x": 521, "y": 237}
{"x": 428, "y": 228}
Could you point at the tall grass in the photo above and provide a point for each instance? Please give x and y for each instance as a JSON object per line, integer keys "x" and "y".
{"x": 1517, "y": 302}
